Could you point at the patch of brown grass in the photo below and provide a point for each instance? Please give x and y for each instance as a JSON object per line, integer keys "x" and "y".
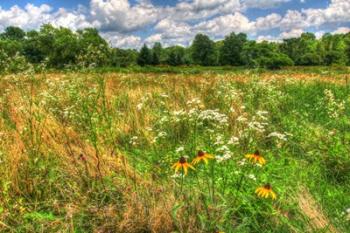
{"x": 317, "y": 219}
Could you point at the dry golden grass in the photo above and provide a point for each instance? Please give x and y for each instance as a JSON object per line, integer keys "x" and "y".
{"x": 317, "y": 219}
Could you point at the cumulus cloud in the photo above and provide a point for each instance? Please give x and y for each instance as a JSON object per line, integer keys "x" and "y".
{"x": 113, "y": 15}
{"x": 223, "y": 25}
{"x": 31, "y": 17}
{"x": 291, "y": 34}
{"x": 118, "y": 20}
{"x": 264, "y": 4}
{"x": 268, "y": 38}
{"x": 342, "y": 30}
{"x": 117, "y": 39}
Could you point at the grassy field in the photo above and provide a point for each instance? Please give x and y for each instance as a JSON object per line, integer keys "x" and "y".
{"x": 97, "y": 152}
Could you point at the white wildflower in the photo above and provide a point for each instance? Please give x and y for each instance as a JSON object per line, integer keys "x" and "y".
{"x": 233, "y": 141}
{"x": 180, "y": 149}
{"x": 278, "y": 135}
{"x": 252, "y": 176}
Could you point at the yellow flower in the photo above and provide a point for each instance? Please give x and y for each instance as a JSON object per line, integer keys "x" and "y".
{"x": 183, "y": 164}
{"x": 256, "y": 158}
{"x": 202, "y": 156}
{"x": 266, "y": 192}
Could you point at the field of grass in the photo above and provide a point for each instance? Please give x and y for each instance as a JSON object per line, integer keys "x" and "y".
{"x": 95, "y": 152}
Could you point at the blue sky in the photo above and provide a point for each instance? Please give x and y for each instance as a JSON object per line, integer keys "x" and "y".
{"x": 130, "y": 23}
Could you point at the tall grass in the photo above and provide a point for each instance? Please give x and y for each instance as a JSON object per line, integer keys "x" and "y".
{"x": 93, "y": 152}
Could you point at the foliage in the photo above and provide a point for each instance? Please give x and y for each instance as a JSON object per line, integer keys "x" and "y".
{"x": 203, "y": 50}
{"x": 145, "y": 56}
{"x": 230, "y": 52}
{"x": 62, "y": 48}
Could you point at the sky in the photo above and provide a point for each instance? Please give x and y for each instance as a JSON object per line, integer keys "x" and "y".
{"x": 131, "y": 23}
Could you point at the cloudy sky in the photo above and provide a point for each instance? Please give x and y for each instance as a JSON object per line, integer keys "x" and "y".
{"x": 130, "y": 23}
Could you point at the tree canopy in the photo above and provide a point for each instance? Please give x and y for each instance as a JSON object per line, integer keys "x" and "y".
{"x": 61, "y": 47}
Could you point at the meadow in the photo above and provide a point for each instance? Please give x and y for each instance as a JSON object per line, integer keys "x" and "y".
{"x": 138, "y": 152}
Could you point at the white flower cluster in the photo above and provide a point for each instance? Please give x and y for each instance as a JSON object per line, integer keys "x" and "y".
{"x": 334, "y": 108}
{"x": 280, "y": 136}
{"x": 142, "y": 103}
{"x": 213, "y": 116}
{"x": 159, "y": 136}
{"x": 180, "y": 149}
{"x": 225, "y": 152}
{"x": 133, "y": 141}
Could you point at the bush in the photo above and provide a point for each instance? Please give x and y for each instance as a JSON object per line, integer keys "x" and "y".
{"x": 310, "y": 59}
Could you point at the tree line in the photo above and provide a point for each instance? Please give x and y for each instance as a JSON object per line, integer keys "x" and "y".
{"x": 62, "y": 47}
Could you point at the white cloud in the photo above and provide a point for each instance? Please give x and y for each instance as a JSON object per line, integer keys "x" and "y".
{"x": 268, "y": 22}
{"x": 268, "y": 38}
{"x": 291, "y": 34}
{"x": 31, "y": 17}
{"x": 223, "y": 25}
{"x": 119, "y": 19}
{"x": 263, "y": 3}
{"x": 119, "y": 15}
{"x": 341, "y": 30}
{"x": 122, "y": 41}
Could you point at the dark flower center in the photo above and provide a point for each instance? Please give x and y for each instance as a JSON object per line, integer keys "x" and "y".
{"x": 267, "y": 186}
{"x": 182, "y": 160}
{"x": 257, "y": 153}
{"x": 200, "y": 153}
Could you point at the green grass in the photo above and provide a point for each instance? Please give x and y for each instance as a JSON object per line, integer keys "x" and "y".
{"x": 92, "y": 152}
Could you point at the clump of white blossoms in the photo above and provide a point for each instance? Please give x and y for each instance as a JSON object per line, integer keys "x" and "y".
{"x": 142, "y": 103}
{"x": 233, "y": 141}
{"x": 133, "y": 141}
{"x": 179, "y": 150}
{"x": 334, "y": 108}
{"x": 224, "y": 152}
{"x": 280, "y": 136}
{"x": 252, "y": 177}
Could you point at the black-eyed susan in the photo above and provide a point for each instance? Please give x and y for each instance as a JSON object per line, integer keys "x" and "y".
{"x": 256, "y": 158}
{"x": 266, "y": 192}
{"x": 202, "y": 156}
{"x": 182, "y": 164}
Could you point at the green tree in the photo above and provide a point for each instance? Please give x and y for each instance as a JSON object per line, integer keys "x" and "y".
{"x": 156, "y": 53}
{"x": 65, "y": 48}
{"x": 176, "y": 56}
{"x": 302, "y": 49}
{"x": 203, "y": 50}
{"x": 335, "y": 49}
{"x": 123, "y": 57}
{"x": 145, "y": 56}
{"x": 13, "y": 33}
{"x": 94, "y": 50}
{"x": 265, "y": 55}
{"x": 230, "y": 51}
{"x": 32, "y": 48}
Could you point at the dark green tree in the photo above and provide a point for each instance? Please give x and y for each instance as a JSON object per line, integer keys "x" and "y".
{"x": 176, "y": 56}
{"x": 203, "y": 50}
{"x": 32, "y": 48}
{"x": 265, "y": 55}
{"x": 230, "y": 51}
{"x": 145, "y": 56}
{"x": 13, "y": 33}
{"x": 123, "y": 57}
{"x": 156, "y": 53}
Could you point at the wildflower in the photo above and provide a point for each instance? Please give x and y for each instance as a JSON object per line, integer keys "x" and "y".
{"x": 252, "y": 176}
{"x": 180, "y": 149}
{"x": 224, "y": 157}
{"x": 266, "y": 192}
{"x": 183, "y": 164}
{"x": 256, "y": 158}
{"x": 278, "y": 135}
{"x": 202, "y": 156}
